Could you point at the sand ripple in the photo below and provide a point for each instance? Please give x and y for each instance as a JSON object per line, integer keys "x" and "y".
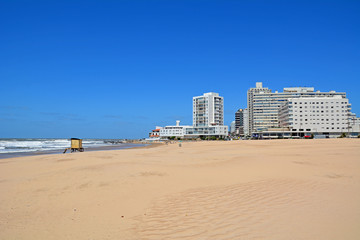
{"x": 232, "y": 212}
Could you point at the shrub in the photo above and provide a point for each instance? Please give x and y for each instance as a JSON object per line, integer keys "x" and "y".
{"x": 343, "y": 135}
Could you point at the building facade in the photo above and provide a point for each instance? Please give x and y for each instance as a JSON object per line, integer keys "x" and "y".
{"x": 246, "y": 122}
{"x": 354, "y": 123}
{"x": 259, "y": 89}
{"x": 155, "y": 133}
{"x": 239, "y": 122}
{"x": 264, "y": 106}
{"x": 216, "y": 131}
{"x": 232, "y": 128}
{"x": 208, "y": 110}
{"x": 183, "y": 131}
{"x": 177, "y": 131}
{"x": 316, "y": 114}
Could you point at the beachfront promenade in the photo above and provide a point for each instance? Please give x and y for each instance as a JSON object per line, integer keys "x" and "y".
{"x": 280, "y": 189}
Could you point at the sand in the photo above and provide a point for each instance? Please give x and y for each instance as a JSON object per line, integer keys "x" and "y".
{"x": 278, "y": 189}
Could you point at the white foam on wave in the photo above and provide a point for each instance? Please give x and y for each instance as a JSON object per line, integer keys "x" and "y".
{"x": 33, "y": 145}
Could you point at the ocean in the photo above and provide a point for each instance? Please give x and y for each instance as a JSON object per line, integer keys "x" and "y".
{"x": 14, "y": 147}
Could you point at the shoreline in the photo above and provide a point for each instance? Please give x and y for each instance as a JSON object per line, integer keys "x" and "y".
{"x": 138, "y": 145}
{"x": 91, "y": 149}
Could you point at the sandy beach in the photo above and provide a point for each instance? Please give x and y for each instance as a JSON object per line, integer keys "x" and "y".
{"x": 278, "y": 189}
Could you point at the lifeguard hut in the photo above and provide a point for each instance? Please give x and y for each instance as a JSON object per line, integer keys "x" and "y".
{"x": 76, "y": 145}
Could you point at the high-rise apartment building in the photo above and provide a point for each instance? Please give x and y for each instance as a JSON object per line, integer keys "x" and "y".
{"x": 246, "y": 122}
{"x": 250, "y": 103}
{"x": 239, "y": 118}
{"x": 208, "y": 110}
{"x": 263, "y": 105}
{"x": 239, "y": 122}
{"x": 315, "y": 114}
{"x": 232, "y": 128}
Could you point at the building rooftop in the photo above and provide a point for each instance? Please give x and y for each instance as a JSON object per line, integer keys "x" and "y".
{"x": 299, "y": 89}
{"x": 317, "y": 98}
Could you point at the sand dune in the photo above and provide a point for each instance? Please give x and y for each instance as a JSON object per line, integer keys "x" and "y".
{"x": 283, "y": 189}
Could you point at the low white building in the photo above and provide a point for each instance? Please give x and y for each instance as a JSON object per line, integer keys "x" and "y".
{"x": 217, "y": 131}
{"x": 324, "y": 115}
{"x": 174, "y": 131}
{"x": 184, "y": 131}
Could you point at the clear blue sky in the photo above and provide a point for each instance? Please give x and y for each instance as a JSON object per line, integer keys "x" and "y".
{"x": 115, "y": 69}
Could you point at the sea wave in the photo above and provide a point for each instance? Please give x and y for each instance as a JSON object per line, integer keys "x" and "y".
{"x": 34, "y": 145}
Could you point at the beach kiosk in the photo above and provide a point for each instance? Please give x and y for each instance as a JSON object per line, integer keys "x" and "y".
{"x": 76, "y": 145}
